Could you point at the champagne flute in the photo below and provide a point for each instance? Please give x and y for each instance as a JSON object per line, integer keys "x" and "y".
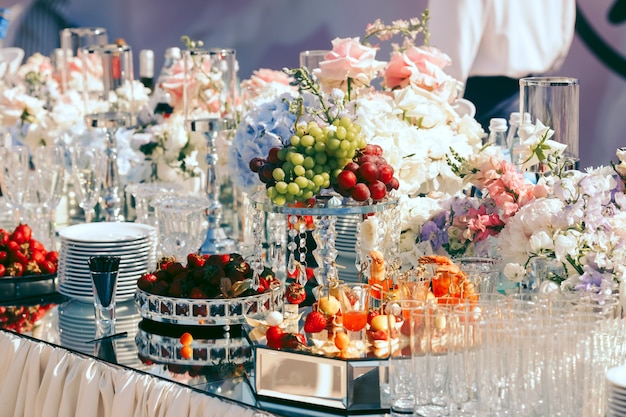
{"x": 88, "y": 165}
{"x": 49, "y": 163}
{"x": 14, "y": 177}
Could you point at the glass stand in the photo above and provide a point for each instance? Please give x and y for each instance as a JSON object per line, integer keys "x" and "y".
{"x": 110, "y": 122}
{"x": 216, "y": 241}
{"x": 325, "y": 213}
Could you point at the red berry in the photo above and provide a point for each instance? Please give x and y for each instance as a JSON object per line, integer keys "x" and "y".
{"x": 378, "y": 190}
{"x": 368, "y": 171}
{"x": 371, "y": 149}
{"x": 256, "y": 164}
{"x": 351, "y": 166}
{"x": 315, "y": 322}
{"x": 272, "y": 156}
{"x": 360, "y": 192}
{"x": 197, "y": 293}
{"x": 195, "y": 261}
{"x": 385, "y": 173}
{"x": 346, "y": 179}
{"x": 393, "y": 184}
{"x": 265, "y": 174}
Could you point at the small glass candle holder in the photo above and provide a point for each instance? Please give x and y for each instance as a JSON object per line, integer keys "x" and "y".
{"x": 104, "y": 270}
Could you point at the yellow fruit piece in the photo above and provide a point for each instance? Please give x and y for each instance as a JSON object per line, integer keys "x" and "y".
{"x": 342, "y": 340}
{"x": 380, "y": 322}
{"x": 329, "y": 305}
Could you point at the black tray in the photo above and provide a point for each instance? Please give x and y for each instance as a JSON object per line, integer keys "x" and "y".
{"x": 15, "y": 288}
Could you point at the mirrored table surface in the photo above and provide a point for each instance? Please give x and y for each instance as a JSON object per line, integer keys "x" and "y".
{"x": 221, "y": 362}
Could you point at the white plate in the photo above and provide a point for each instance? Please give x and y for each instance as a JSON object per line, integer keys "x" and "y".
{"x": 117, "y": 250}
{"x": 81, "y": 267}
{"x": 117, "y": 246}
{"x": 617, "y": 376}
{"x": 106, "y": 232}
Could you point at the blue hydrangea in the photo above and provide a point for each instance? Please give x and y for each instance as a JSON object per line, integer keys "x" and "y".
{"x": 267, "y": 126}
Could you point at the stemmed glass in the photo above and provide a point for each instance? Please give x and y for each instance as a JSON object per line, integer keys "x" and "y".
{"x": 88, "y": 172}
{"x": 14, "y": 177}
{"x": 49, "y": 163}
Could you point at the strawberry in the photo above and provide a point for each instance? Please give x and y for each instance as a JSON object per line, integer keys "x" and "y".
{"x": 34, "y": 244}
{"x": 37, "y": 255}
{"x": 295, "y": 293}
{"x": 16, "y": 253}
{"x": 315, "y": 322}
{"x": 164, "y": 262}
{"x": 4, "y": 237}
{"x": 22, "y": 233}
{"x": 197, "y": 293}
{"x": 195, "y": 261}
{"x": 174, "y": 268}
{"x": 176, "y": 289}
{"x": 146, "y": 281}
{"x": 3, "y": 270}
{"x": 3, "y": 256}
{"x": 263, "y": 285}
{"x": 15, "y": 269}
{"x": 52, "y": 256}
{"x": 47, "y": 267}
{"x": 32, "y": 268}
{"x": 225, "y": 258}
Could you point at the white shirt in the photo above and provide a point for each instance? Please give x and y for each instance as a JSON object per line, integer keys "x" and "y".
{"x": 512, "y": 38}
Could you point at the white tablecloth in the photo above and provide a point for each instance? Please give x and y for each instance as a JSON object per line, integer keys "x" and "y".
{"x": 40, "y": 380}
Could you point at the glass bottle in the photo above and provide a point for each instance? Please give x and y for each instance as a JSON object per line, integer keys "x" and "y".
{"x": 146, "y": 68}
{"x": 513, "y": 139}
{"x": 497, "y": 132}
{"x": 160, "y": 100}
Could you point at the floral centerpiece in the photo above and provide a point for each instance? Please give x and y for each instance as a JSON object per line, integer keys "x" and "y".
{"x": 409, "y": 117}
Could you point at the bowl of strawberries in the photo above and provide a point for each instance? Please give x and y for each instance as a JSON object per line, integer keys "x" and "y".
{"x": 217, "y": 290}
{"x": 27, "y": 267}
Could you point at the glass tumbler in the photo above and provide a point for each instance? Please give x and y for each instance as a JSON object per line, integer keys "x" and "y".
{"x": 182, "y": 224}
{"x": 555, "y": 102}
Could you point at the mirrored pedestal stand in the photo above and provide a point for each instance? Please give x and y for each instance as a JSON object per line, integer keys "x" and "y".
{"x": 110, "y": 122}
{"x": 216, "y": 241}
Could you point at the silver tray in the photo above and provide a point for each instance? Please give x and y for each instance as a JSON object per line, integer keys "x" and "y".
{"x": 207, "y": 312}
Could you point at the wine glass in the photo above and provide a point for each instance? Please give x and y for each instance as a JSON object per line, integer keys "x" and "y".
{"x": 87, "y": 172}
{"x": 49, "y": 163}
{"x": 14, "y": 177}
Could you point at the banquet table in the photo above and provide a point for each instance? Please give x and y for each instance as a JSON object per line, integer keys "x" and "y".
{"x": 53, "y": 370}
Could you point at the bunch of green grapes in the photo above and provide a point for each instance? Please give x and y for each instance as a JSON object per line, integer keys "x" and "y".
{"x": 312, "y": 160}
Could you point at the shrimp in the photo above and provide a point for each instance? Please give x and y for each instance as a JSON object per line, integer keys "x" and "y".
{"x": 449, "y": 280}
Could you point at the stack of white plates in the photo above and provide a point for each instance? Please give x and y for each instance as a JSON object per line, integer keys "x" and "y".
{"x": 134, "y": 243}
{"x": 616, "y": 391}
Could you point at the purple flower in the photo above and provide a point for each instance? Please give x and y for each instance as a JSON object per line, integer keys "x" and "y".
{"x": 432, "y": 233}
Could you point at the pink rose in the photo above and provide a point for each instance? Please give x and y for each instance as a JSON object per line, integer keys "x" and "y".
{"x": 174, "y": 83}
{"x": 421, "y": 66}
{"x": 348, "y": 59}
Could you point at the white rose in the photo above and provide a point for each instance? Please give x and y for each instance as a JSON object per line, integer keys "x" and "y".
{"x": 565, "y": 244}
{"x": 514, "y": 272}
{"x": 541, "y": 241}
